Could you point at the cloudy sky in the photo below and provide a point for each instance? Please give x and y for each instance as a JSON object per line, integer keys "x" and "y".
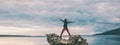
{"x": 39, "y": 17}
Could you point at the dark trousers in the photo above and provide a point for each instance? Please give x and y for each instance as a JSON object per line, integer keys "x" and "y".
{"x": 64, "y": 30}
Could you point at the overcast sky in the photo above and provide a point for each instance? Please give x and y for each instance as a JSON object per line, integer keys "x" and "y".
{"x": 39, "y": 17}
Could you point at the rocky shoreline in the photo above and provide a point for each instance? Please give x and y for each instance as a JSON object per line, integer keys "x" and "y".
{"x": 54, "y": 39}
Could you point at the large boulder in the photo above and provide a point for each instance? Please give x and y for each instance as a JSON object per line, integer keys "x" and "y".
{"x": 54, "y": 39}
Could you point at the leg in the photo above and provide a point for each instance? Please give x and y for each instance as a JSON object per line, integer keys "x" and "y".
{"x": 62, "y": 32}
{"x": 68, "y": 32}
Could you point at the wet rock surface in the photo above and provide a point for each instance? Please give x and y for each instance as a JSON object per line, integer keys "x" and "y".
{"x": 54, "y": 39}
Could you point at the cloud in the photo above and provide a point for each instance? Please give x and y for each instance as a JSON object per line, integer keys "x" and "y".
{"x": 13, "y": 30}
{"x": 89, "y": 16}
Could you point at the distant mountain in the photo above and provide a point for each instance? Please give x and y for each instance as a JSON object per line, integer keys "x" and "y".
{"x": 15, "y": 36}
{"x": 19, "y": 36}
{"x": 111, "y": 32}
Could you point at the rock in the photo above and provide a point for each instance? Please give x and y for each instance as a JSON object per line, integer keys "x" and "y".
{"x": 54, "y": 39}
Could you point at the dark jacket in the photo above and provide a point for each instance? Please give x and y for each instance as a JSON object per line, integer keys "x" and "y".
{"x": 65, "y": 23}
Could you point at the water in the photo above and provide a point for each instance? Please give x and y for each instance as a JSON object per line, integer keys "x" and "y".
{"x": 103, "y": 40}
{"x": 92, "y": 40}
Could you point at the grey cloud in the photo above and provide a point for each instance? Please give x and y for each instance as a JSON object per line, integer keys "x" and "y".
{"x": 45, "y": 13}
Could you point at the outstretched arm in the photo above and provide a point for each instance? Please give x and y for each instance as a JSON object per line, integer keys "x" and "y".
{"x": 61, "y": 20}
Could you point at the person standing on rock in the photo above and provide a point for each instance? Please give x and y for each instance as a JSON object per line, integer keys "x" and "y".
{"x": 65, "y": 26}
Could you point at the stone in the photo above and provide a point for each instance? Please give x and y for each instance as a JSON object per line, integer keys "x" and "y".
{"x": 54, "y": 39}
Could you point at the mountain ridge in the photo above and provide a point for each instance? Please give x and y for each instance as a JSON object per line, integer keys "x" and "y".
{"x": 111, "y": 32}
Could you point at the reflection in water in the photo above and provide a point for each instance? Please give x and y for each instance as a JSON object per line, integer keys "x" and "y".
{"x": 22, "y": 41}
{"x": 92, "y": 40}
{"x": 102, "y": 40}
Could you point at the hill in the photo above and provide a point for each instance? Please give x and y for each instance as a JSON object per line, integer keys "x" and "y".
{"x": 14, "y": 36}
{"x": 111, "y": 32}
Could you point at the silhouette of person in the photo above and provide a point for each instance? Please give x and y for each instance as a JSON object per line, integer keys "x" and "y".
{"x": 65, "y": 26}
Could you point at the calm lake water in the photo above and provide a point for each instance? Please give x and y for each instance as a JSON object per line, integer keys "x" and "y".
{"x": 92, "y": 40}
